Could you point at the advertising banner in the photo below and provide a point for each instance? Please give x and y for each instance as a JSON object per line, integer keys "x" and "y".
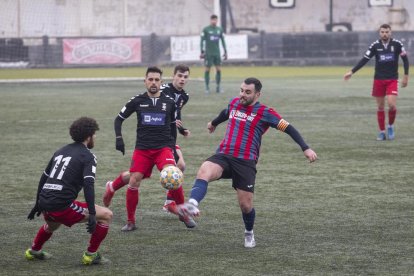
{"x": 187, "y": 48}
{"x": 102, "y": 51}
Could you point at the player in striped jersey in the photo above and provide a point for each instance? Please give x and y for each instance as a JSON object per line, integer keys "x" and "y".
{"x": 238, "y": 153}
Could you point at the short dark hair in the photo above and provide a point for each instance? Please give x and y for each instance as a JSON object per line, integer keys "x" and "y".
{"x": 213, "y": 16}
{"x": 256, "y": 82}
{"x": 153, "y": 69}
{"x": 181, "y": 68}
{"x": 385, "y": 26}
{"x": 83, "y": 128}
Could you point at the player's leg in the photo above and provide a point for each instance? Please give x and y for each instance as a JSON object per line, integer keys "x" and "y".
{"x": 207, "y": 67}
{"x": 176, "y": 197}
{"x": 381, "y": 117}
{"x": 217, "y": 63}
{"x": 379, "y": 92}
{"x": 245, "y": 199}
{"x": 207, "y": 75}
{"x": 132, "y": 200}
{"x": 141, "y": 167}
{"x": 103, "y": 218}
{"x": 392, "y": 114}
{"x": 112, "y": 186}
{"x": 392, "y": 93}
{"x": 209, "y": 171}
{"x": 212, "y": 169}
{"x": 244, "y": 177}
{"x": 44, "y": 233}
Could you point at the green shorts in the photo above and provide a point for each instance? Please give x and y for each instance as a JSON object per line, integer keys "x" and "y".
{"x": 211, "y": 60}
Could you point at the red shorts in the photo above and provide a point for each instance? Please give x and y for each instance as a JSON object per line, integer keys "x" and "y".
{"x": 73, "y": 214}
{"x": 382, "y": 88}
{"x": 144, "y": 160}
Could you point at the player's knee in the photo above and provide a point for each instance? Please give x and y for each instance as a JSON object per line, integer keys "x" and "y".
{"x": 135, "y": 180}
{"x": 245, "y": 207}
{"x": 203, "y": 172}
{"x": 125, "y": 176}
{"x": 181, "y": 166}
{"x": 106, "y": 216}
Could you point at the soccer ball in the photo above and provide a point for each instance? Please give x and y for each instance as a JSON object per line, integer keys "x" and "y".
{"x": 171, "y": 178}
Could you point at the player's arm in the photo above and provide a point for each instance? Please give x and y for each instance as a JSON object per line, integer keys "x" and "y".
{"x": 125, "y": 112}
{"x": 287, "y": 128}
{"x": 202, "y": 41}
{"x": 45, "y": 175}
{"x": 271, "y": 117}
{"x": 181, "y": 129}
{"x": 173, "y": 121}
{"x": 222, "y": 117}
{"x": 367, "y": 56}
{"x": 406, "y": 65}
{"x": 223, "y": 42}
{"x": 89, "y": 193}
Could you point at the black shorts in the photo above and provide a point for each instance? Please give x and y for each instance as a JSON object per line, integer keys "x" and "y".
{"x": 242, "y": 172}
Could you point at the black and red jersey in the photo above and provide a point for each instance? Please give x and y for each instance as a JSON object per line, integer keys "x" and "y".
{"x": 180, "y": 97}
{"x": 67, "y": 172}
{"x": 386, "y": 59}
{"x": 155, "y": 117}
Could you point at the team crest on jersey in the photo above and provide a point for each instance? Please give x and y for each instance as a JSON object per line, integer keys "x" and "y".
{"x": 241, "y": 116}
{"x": 164, "y": 107}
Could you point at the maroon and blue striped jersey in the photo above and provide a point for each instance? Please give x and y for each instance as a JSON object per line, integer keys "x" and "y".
{"x": 245, "y": 129}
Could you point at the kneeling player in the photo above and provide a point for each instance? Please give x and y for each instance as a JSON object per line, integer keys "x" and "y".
{"x": 71, "y": 168}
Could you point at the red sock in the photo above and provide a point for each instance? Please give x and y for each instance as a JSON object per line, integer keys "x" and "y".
{"x": 132, "y": 198}
{"x": 43, "y": 235}
{"x": 97, "y": 237}
{"x": 118, "y": 183}
{"x": 392, "y": 113}
{"x": 381, "y": 119}
{"x": 176, "y": 195}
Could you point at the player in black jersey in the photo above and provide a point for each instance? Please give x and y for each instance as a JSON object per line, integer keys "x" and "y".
{"x": 71, "y": 168}
{"x": 387, "y": 51}
{"x": 175, "y": 90}
{"x": 155, "y": 141}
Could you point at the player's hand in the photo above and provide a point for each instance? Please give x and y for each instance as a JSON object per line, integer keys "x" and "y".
{"x": 210, "y": 127}
{"x": 119, "y": 145}
{"x": 91, "y": 226}
{"x": 404, "y": 82}
{"x": 187, "y": 133}
{"x": 311, "y": 155}
{"x": 179, "y": 123}
{"x": 225, "y": 56}
{"x": 35, "y": 211}
{"x": 202, "y": 55}
{"x": 348, "y": 75}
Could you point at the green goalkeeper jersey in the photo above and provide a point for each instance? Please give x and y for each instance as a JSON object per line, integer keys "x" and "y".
{"x": 210, "y": 37}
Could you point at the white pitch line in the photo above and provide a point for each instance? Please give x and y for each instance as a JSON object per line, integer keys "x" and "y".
{"x": 59, "y": 80}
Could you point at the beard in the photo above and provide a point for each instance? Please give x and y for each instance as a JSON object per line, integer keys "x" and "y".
{"x": 90, "y": 144}
{"x": 246, "y": 102}
{"x": 153, "y": 90}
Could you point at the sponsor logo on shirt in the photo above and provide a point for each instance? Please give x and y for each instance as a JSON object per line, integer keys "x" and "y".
{"x": 143, "y": 105}
{"x": 153, "y": 119}
{"x": 241, "y": 116}
{"x": 55, "y": 187}
{"x": 386, "y": 57}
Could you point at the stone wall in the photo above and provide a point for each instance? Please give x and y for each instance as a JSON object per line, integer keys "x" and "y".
{"x": 63, "y": 18}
